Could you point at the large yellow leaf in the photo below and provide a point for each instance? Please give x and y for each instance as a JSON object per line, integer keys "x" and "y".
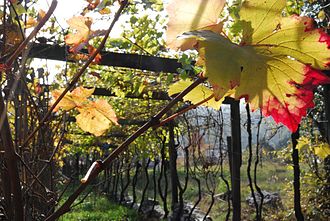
{"x": 266, "y": 80}
{"x": 296, "y": 37}
{"x": 274, "y": 67}
{"x": 72, "y": 99}
{"x": 264, "y": 27}
{"x": 188, "y": 15}
{"x": 260, "y": 18}
{"x": 96, "y": 117}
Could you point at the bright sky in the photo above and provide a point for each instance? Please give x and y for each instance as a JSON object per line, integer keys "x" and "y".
{"x": 66, "y": 9}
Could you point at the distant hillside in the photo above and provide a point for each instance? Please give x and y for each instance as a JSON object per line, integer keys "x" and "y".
{"x": 205, "y": 123}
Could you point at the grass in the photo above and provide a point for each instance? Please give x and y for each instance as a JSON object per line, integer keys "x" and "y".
{"x": 272, "y": 177}
{"x": 99, "y": 208}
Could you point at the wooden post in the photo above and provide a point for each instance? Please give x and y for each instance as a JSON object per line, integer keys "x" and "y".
{"x": 296, "y": 173}
{"x": 229, "y": 149}
{"x": 236, "y": 159}
{"x": 327, "y": 129}
{"x": 172, "y": 164}
{"x": 327, "y": 111}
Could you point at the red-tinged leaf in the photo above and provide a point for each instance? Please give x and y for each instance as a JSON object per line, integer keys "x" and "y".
{"x": 4, "y": 67}
{"x": 191, "y": 15}
{"x": 91, "y": 50}
{"x": 82, "y": 32}
{"x": 324, "y": 38}
{"x": 296, "y": 37}
{"x": 37, "y": 88}
{"x": 275, "y": 67}
{"x": 289, "y": 114}
{"x": 92, "y": 4}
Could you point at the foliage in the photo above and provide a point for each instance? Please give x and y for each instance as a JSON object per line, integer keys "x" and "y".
{"x": 95, "y": 117}
{"x": 200, "y": 93}
{"x": 278, "y": 52}
{"x": 99, "y": 208}
{"x": 194, "y": 15}
{"x": 319, "y": 149}
{"x": 262, "y": 36}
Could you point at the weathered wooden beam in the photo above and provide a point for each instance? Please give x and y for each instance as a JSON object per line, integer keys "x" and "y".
{"x": 117, "y": 134}
{"x": 103, "y": 145}
{"x": 156, "y": 95}
{"x": 143, "y": 62}
{"x": 327, "y": 109}
{"x": 120, "y": 121}
{"x": 136, "y": 61}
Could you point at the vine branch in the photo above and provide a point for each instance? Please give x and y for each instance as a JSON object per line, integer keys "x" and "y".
{"x": 76, "y": 77}
{"x": 172, "y": 117}
{"x": 66, "y": 206}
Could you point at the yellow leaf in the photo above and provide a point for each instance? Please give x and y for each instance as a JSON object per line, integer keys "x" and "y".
{"x": 82, "y": 30}
{"x": 41, "y": 14}
{"x": 72, "y": 99}
{"x": 198, "y": 94}
{"x": 276, "y": 66}
{"x": 31, "y": 22}
{"x": 105, "y": 11}
{"x": 260, "y": 18}
{"x": 65, "y": 104}
{"x": 189, "y": 15}
{"x": 80, "y": 94}
{"x": 322, "y": 150}
{"x": 13, "y": 37}
{"x": 96, "y": 117}
{"x": 321, "y": 15}
{"x": 303, "y": 143}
